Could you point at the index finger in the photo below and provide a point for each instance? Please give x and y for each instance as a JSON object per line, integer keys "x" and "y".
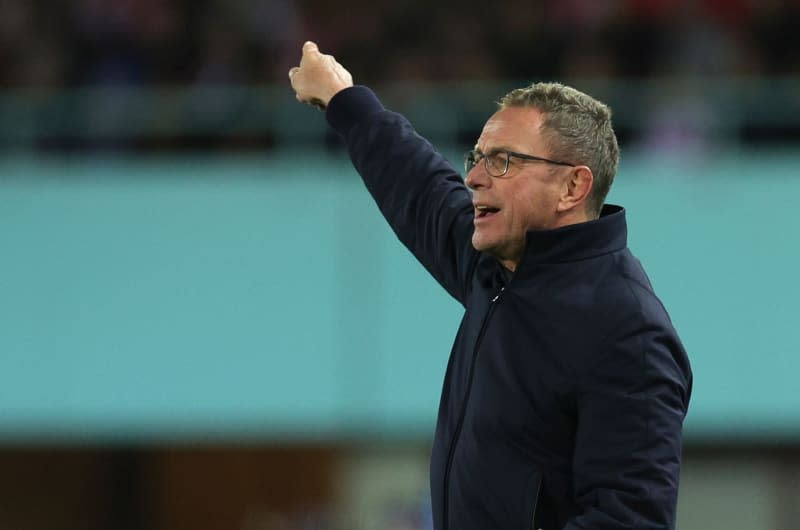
{"x": 310, "y": 47}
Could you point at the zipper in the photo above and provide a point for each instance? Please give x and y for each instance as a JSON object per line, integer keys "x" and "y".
{"x": 536, "y": 503}
{"x": 460, "y": 423}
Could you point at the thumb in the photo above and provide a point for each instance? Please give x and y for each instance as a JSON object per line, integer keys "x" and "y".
{"x": 310, "y": 47}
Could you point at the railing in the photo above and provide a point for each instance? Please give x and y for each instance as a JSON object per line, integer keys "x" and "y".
{"x": 726, "y": 110}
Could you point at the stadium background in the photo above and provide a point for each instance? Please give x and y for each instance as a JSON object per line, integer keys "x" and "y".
{"x": 204, "y": 323}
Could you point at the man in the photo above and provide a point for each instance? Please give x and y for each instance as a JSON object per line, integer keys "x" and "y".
{"x": 566, "y": 389}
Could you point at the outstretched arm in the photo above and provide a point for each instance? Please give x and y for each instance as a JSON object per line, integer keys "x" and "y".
{"x": 419, "y": 193}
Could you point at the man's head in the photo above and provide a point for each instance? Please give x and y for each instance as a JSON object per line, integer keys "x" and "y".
{"x": 576, "y": 127}
{"x": 570, "y": 133}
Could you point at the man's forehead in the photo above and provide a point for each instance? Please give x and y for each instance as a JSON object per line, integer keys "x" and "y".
{"x": 492, "y": 125}
{"x": 511, "y": 125}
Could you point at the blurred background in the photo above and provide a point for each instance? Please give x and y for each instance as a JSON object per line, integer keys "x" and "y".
{"x": 205, "y": 323}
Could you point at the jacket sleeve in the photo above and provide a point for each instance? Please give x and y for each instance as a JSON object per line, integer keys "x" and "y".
{"x": 631, "y": 405}
{"x": 420, "y": 194}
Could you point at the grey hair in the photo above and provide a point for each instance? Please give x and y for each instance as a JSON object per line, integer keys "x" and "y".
{"x": 577, "y": 129}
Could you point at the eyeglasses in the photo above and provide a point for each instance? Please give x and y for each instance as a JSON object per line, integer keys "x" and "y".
{"x": 498, "y": 161}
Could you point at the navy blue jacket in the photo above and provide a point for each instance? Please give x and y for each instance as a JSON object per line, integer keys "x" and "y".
{"x": 566, "y": 388}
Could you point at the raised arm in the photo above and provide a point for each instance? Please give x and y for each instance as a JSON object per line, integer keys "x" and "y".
{"x": 419, "y": 193}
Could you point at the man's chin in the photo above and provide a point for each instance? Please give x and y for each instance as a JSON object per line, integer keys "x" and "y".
{"x": 478, "y": 243}
{"x": 508, "y": 254}
{"x": 482, "y": 244}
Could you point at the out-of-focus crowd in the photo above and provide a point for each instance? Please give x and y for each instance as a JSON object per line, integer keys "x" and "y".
{"x": 166, "y": 74}
{"x": 58, "y": 43}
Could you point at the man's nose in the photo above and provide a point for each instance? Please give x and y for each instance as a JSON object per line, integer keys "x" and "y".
{"x": 477, "y": 178}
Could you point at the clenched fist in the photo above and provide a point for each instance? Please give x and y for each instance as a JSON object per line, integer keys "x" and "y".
{"x": 319, "y": 77}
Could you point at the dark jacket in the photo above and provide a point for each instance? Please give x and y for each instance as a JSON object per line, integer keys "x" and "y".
{"x": 566, "y": 388}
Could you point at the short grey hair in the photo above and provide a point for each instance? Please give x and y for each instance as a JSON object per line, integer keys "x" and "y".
{"x": 577, "y": 129}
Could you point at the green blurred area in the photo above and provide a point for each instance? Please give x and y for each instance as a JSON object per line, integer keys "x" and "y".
{"x": 264, "y": 297}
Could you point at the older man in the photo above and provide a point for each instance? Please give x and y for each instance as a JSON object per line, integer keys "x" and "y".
{"x": 567, "y": 386}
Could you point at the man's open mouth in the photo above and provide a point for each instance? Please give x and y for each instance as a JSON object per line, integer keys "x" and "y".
{"x": 485, "y": 211}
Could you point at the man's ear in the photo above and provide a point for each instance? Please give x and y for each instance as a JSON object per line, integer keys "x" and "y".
{"x": 576, "y": 189}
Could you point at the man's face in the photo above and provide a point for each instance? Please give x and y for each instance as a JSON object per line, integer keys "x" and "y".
{"x": 526, "y": 198}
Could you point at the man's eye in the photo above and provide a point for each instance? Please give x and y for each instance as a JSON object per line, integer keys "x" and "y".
{"x": 497, "y": 159}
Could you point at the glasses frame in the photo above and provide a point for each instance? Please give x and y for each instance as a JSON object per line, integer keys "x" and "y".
{"x": 473, "y": 158}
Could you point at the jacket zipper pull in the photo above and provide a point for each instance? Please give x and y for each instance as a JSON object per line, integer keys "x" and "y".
{"x": 497, "y": 296}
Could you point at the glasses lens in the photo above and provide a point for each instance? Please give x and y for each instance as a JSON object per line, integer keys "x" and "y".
{"x": 470, "y": 160}
{"x": 497, "y": 164}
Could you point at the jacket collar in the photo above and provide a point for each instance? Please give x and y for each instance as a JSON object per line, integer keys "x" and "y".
{"x": 576, "y": 242}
